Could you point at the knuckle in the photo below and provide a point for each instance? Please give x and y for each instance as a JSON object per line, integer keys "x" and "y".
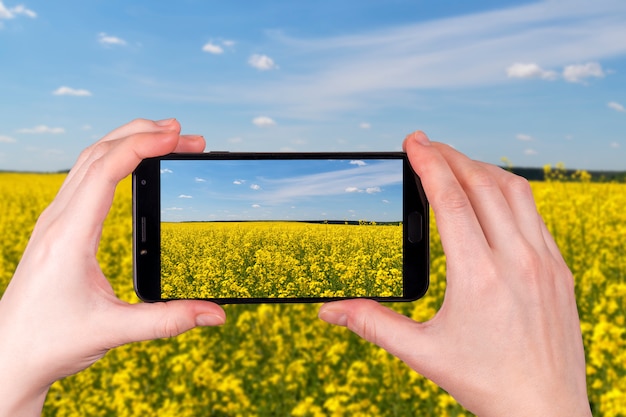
{"x": 362, "y": 322}
{"x": 95, "y": 151}
{"x": 170, "y": 328}
{"x": 366, "y": 328}
{"x": 479, "y": 178}
{"x": 518, "y": 185}
{"x": 140, "y": 122}
{"x": 453, "y": 199}
{"x": 172, "y": 322}
{"x": 528, "y": 263}
{"x": 95, "y": 166}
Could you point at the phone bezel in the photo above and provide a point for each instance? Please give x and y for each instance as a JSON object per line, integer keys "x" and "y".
{"x": 147, "y": 221}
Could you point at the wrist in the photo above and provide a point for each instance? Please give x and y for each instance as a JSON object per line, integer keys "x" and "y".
{"x": 20, "y": 395}
{"x": 537, "y": 405}
{"x": 567, "y": 399}
{"x": 19, "y": 402}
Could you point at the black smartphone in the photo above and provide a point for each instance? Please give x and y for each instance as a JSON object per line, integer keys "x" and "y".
{"x": 279, "y": 227}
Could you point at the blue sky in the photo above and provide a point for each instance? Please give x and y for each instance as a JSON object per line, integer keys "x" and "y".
{"x": 537, "y": 82}
{"x": 357, "y": 189}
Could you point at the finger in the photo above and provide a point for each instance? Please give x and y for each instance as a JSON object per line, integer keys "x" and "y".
{"x": 94, "y": 151}
{"x": 519, "y": 194}
{"x": 133, "y": 127}
{"x": 461, "y": 234}
{"x": 140, "y": 125}
{"x": 397, "y": 334}
{"x": 520, "y": 199}
{"x": 552, "y": 246}
{"x": 487, "y": 199}
{"x": 190, "y": 144}
{"x": 87, "y": 205}
{"x": 147, "y": 321}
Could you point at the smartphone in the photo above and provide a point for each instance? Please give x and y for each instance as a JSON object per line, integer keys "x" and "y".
{"x": 279, "y": 227}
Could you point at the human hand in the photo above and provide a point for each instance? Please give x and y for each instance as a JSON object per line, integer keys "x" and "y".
{"x": 59, "y": 313}
{"x": 507, "y": 339}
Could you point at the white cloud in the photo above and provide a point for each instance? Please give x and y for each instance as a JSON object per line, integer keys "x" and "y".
{"x": 576, "y": 73}
{"x": 217, "y": 48}
{"x": 616, "y": 106}
{"x": 212, "y": 48}
{"x": 529, "y": 70}
{"x": 335, "y": 182}
{"x": 184, "y": 196}
{"x": 530, "y": 152}
{"x": 238, "y": 182}
{"x": 13, "y": 12}
{"x": 167, "y": 171}
{"x": 6, "y": 139}
{"x": 372, "y": 190}
{"x": 524, "y": 137}
{"x": 358, "y": 162}
{"x": 198, "y": 179}
{"x": 49, "y": 152}
{"x": 256, "y": 206}
{"x": 68, "y": 91}
{"x": 255, "y": 187}
{"x": 365, "y": 125}
{"x": 579, "y": 72}
{"x": 262, "y": 62}
{"x": 385, "y": 201}
{"x": 42, "y": 129}
{"x": 105, "y": 39}
{"x": 614, "y": 145}
{"x": 174, "y": 209}
{"x": 380, "y": 65}
{"x": 21, "y": 10}
{"x": 263, "y": 121}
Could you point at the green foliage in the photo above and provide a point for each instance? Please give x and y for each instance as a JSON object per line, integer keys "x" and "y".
{"x": 560, "y": 174}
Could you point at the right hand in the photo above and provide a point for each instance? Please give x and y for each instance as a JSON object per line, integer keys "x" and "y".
{"x": 507, "y": 339}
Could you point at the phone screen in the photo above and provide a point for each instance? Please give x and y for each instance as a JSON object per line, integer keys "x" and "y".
{"x": 281, "y": 229}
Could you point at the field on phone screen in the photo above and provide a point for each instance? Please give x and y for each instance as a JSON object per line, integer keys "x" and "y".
{"x": 280, "y": 360}
{"x": 280, "y": 260}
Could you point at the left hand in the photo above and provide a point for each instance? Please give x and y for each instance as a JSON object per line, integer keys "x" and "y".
{"x": 59, "y": 313}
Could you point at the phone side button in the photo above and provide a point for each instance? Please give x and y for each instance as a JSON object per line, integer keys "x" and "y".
{"x": 143, "y": 230}
{"x": 415, "y": 227}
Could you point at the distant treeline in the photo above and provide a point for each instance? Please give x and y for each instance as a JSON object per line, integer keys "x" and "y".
{"x": 531, "y": 174}
{"x": 13, "y": 171}
{"x": 345, "y": 222}
{"x": 351, "y": 222}
{"x": 538, "y": 174}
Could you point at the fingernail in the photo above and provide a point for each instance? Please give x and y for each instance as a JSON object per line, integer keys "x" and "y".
{"x": 164, "y": 122}
{"x": 192, "y": 137}
{"x": 209, "y": 320}
{"x": 334, "y": 317}
{"x": 420, "y": 137}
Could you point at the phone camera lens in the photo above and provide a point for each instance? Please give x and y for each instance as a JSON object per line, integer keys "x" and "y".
{"x": 144, "y": 182}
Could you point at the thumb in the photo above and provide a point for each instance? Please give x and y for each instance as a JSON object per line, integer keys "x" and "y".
{"x": 147, "y": 321}
{"x": 397, "y": 334}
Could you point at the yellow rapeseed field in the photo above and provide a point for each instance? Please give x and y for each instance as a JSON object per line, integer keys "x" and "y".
{"x": 280, "y": 259}
{"x": 280, "y": 360}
